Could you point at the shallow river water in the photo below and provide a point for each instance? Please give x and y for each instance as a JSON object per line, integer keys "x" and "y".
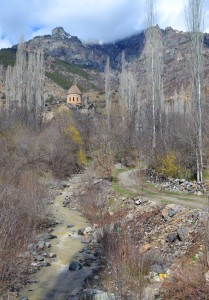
{"x": 56, "y": 281}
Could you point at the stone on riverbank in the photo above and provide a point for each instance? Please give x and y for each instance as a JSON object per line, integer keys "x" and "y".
{"x": 75, "y": 266}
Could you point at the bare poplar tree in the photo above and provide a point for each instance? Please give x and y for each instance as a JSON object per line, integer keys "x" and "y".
{"x": 108, "y": 90}
{"x": 128, "y": 91}
{"x": 122, "y": 88}
{"x": 10, "y": 89}
{"x": 154, "y": 70}
{"x": 195, "y": 25}
{"x": 21, "y": 75}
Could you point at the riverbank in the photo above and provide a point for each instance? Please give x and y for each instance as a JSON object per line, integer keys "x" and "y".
{"x": 150, "y": 250}
{"x": 133, "y": 246}
{"x": 64, "y": 256}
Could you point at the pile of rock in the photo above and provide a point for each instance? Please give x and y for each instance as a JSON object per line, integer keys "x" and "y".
{"x": 182, "y": 185}
{"x": 39, "y": 251}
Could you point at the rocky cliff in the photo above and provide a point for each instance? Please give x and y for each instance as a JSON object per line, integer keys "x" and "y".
{"x": 63, "y": 46}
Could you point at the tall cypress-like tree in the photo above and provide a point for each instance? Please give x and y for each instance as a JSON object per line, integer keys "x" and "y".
{"x": 154, "y": 71}
{"x": 128, "y": 92}
{"x": 195, "y": 26}
{"x": 108, "y": 91}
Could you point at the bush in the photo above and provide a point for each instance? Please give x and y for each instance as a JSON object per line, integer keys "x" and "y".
{"x": 81, "y": 158}
{"x": 22, "y": 200}
{"x": 103, "y": 163}
{"x": 26, "y": 155}
{"x": 168, "y": 165}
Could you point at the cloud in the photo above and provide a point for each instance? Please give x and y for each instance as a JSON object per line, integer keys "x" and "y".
{"x": 171, "y": 13}
{"x": 104, "y": 20}
{"x": 4, "y": 41}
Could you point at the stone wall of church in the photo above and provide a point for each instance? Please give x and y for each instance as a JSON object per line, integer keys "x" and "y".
{"x": 74, "y": 99}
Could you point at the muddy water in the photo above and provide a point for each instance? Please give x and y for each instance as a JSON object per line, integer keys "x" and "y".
{"x": 56, "y": 281}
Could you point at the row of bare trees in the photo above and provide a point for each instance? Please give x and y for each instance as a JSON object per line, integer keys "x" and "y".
{"x": 143, "y": 121}
{"x": 24, "y": 84}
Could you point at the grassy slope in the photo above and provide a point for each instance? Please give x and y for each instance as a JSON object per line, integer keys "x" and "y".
{"x": 69, "y": 69}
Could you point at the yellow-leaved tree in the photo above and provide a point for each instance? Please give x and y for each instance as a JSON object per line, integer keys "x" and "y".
{"x": 168, "y": 165}
{"x": 75, "y": 136}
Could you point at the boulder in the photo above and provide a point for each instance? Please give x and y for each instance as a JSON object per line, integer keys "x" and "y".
{"x": 48, "y": 245}
{"x": 40, "y": 245}
{"x": 138, "y": 202}
{"x": 88, "y": 230}
{"x": 182, "y": 233}
{"x": 103, "y": 296}
{"x": 171, "y": 237}
{"x": 50, "y": 255}
{"x": 45, "y": 264}
{"x": 75, "y": 266}
{"x": 36, "y": 264}
{"x": 70, "y": 226}
{"x": 169, "y": 211}
{"x": 39, "y": 257}
{"x": 84, "y": 231}
{"x": 47, "y": 236}
{"x": 156, "y": 268}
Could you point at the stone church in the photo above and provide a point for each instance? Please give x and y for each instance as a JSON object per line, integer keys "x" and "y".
{"x": 74, "y": 96}
{"x": 76, "y": 101}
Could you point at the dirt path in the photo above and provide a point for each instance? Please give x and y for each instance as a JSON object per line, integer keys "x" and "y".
{"x": 127, "y": 181}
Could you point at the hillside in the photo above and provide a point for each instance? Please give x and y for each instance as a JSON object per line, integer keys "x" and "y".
{"x": 67, "y": 59}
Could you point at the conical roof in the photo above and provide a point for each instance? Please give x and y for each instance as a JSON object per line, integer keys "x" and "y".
{"x": 74, "y": 90}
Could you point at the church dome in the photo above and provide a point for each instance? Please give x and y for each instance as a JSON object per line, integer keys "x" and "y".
{"x": 74, "y": 90}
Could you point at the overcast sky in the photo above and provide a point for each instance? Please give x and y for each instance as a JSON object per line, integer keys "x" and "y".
{"x": 90, "y": 20}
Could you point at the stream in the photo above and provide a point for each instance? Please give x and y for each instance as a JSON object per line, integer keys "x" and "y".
{"x": 57, "y": 281}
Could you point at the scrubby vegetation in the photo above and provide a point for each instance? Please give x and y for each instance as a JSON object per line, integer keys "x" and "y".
{"x": 61, "y": 80}
{"x": 73, "y": 68}
{"x": 168, "y": 166}
{"x": 28, "y": 157}
{"x": 7, "y": 57}
{"x": 63, "y": 74}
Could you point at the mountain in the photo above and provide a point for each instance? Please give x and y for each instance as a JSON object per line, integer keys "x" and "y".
{"x": 68, "y": 59}
{"x": 63, "y": 46}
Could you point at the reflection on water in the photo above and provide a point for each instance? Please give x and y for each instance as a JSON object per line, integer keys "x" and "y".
{"x": 56, "y": 281}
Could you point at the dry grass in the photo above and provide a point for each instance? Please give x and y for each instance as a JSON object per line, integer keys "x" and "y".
{"x": 186, "y": 282}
